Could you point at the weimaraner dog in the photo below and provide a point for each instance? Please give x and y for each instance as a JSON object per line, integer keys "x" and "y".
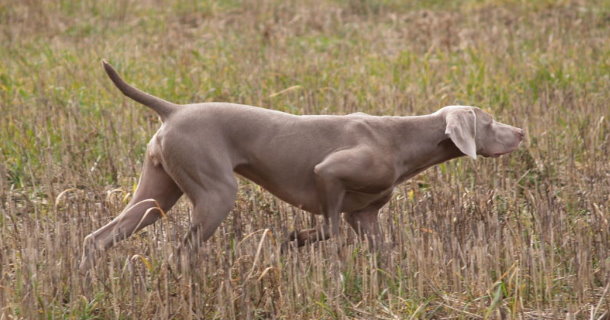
{"x": 324, "y": 164}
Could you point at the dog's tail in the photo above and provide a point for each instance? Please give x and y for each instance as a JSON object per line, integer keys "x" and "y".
{"x": 162, "y": 107}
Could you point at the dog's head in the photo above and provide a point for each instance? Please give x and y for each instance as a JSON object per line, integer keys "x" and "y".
{"x": 474, "y": 132}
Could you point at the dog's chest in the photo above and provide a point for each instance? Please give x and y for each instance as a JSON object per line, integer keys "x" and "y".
{"x": 356, "y": 200}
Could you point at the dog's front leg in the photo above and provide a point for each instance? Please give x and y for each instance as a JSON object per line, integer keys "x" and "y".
{"x": 331, "y": 193}
{"x": 349, "y": 169}
{"x": 365, "y": 222}
{"x": 331, "y": 175}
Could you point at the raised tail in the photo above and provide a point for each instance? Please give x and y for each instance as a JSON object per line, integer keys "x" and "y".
{"x": 162, "y": 107}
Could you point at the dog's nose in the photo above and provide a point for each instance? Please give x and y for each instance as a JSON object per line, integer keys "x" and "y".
{"x": 520, "y": 133}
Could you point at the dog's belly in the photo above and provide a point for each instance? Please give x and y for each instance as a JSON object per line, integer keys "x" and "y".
{"x": 304, "y": 195}
{"x": 299, "y": 193}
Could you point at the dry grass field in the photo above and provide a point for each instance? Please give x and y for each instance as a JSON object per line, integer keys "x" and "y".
{"x": 524, "y": 236}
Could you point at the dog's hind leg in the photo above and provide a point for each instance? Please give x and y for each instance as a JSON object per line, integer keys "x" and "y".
{"x": 156, "y": 193}
{"x": 210, "y": 207}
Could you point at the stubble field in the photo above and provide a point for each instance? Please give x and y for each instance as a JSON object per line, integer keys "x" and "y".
{"x": 524, "y": 236}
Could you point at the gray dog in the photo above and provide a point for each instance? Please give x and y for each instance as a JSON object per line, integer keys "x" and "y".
{"x": 324, "y": 164}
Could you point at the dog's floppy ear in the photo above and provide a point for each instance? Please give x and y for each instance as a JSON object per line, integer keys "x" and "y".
{"x": 462, "y": 129}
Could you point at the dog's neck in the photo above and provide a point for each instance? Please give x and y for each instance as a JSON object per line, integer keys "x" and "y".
{"x": 421, "y": 142}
